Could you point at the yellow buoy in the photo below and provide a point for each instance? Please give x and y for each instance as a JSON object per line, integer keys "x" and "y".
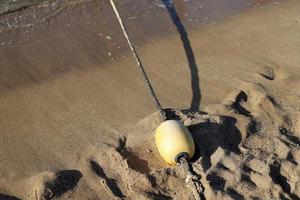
{"x": 172, "y": 140}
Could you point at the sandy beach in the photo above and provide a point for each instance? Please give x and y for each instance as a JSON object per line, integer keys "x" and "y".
{"x": 77, "y": 121}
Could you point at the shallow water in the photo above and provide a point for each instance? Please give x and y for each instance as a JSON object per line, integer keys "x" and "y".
{"x": 191, "y": 11}
{"x": 83, "y": 24}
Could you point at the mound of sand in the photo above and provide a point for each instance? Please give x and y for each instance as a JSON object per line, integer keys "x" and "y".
{"x": 265, "y": 165}
{"x": 76, "y": 122}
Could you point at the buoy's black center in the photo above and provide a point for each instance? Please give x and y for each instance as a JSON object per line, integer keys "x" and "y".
{"x": 181, "y": 155}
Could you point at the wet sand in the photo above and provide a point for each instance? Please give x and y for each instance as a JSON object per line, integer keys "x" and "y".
{"x": 77, "y": 122}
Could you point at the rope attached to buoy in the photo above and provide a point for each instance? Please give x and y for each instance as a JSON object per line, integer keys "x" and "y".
{"x": 139, "y": 63}
{"x": 192, "y": 180}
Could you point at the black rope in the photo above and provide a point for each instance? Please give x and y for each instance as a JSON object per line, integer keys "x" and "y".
{"x": 192, "y": 180}
{"x": 139, "y": 63}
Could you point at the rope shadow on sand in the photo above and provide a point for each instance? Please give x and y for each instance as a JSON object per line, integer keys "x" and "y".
{"x": 195, "y": 103}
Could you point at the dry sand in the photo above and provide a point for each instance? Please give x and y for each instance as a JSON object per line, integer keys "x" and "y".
{"x": 77, "y": 123}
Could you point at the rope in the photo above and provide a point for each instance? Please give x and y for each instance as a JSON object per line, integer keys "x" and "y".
{"x": 139, "y": 63}
{"x": 192, "y": 180}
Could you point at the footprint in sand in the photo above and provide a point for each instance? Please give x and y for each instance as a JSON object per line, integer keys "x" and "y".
{"x": 49, "y": 185}
{"x": 271, "y": 70}
{"x": 64, "y": 180}
{"x": 269, "y": 152}
{"x": 237, "y": 104}
{"x": 111, "y": 183}
{"x": 231, "y": 164}
{"x": 113, "y": 169}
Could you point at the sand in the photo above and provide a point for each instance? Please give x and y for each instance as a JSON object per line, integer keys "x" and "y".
{"x": 77, "y": 123}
